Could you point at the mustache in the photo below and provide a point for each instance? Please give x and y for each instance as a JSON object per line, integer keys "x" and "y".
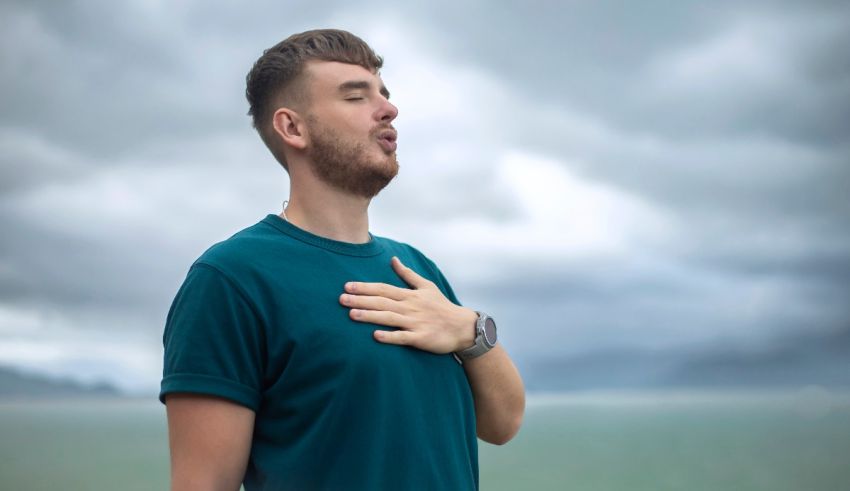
{"x": 383, "y": 127}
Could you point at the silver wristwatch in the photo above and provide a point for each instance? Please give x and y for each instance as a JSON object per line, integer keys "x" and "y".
{"x": 485, "y": 338}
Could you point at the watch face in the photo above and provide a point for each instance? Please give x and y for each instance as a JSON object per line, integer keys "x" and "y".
{"x": 490, "y": 331}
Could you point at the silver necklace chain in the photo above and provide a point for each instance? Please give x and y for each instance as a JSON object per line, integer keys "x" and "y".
{"x": 284, "y": 210}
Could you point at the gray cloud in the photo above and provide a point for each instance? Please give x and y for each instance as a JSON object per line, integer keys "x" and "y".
{"x": 125, "y": 151}
{"x": 597, "y": 58}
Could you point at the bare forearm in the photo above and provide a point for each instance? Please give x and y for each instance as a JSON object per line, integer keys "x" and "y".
{"x": 499, "y": 395}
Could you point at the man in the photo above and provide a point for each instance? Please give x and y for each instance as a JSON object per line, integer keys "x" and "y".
{"x": 306, "y": 353}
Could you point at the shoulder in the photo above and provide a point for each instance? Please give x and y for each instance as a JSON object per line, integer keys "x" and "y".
{"x": 241, "y": 250}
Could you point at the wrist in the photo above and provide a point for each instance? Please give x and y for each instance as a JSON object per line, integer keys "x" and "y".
{"x": 466, "y": 331}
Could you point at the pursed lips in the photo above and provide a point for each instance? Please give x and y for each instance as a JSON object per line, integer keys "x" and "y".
{"x": 388, "y": 134}
{"x": 387, "y": 139}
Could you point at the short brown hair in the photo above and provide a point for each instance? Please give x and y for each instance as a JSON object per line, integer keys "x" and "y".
{"x": 269, "y": 84}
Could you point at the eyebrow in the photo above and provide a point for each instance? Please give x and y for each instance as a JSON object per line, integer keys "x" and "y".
{"x": 363, "y": 85}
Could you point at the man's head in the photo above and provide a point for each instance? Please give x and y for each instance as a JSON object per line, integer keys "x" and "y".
{"x": 319, "y": 93}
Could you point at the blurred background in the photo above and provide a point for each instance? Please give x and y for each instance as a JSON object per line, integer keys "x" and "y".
{"x": 648, "y": 196}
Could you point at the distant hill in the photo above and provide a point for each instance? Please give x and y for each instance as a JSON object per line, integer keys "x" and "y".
{"x": 817, "y": 358}
{"x": 15, "y": 384}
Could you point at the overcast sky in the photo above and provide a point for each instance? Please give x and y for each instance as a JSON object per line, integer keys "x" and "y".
{"x": 599, "y": 176}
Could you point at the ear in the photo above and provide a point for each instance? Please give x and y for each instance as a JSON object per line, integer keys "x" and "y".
{"x": 289, "y": 125}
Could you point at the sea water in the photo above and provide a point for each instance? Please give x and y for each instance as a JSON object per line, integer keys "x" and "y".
{"x": 680, "y": 440}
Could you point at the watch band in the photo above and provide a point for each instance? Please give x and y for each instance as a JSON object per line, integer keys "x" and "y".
{"x": 482, "y": 343}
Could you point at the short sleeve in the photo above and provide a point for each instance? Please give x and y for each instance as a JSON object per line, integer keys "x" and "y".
{"x": 213, "y": 340}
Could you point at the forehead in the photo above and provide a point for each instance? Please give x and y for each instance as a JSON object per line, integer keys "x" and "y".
{"x": 327, "y": 76}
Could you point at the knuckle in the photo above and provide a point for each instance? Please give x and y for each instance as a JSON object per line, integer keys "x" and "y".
{"x": 397, "y": 337}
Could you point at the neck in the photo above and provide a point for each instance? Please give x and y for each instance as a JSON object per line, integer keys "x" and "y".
{"x": 327, "y": 212}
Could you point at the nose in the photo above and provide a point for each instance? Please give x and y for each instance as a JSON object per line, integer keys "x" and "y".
{"x": 387, "y": 112}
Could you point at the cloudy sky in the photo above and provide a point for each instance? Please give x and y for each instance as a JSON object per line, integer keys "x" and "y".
{"x": 666, "y": 181}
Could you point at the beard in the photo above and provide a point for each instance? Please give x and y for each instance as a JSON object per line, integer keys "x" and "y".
{"x": 346, "y": 165}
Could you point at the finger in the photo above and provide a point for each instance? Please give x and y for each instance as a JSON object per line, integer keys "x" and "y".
{"x": 377, "y": 290}
{"x": 380, "y": 317}
{"x": 367, "y": 302}
{"x": 402, "y": 338}
{"x": 409, "y": 276}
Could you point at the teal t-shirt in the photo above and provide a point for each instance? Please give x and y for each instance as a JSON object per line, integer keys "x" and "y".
{"x": 258, "y": 321}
